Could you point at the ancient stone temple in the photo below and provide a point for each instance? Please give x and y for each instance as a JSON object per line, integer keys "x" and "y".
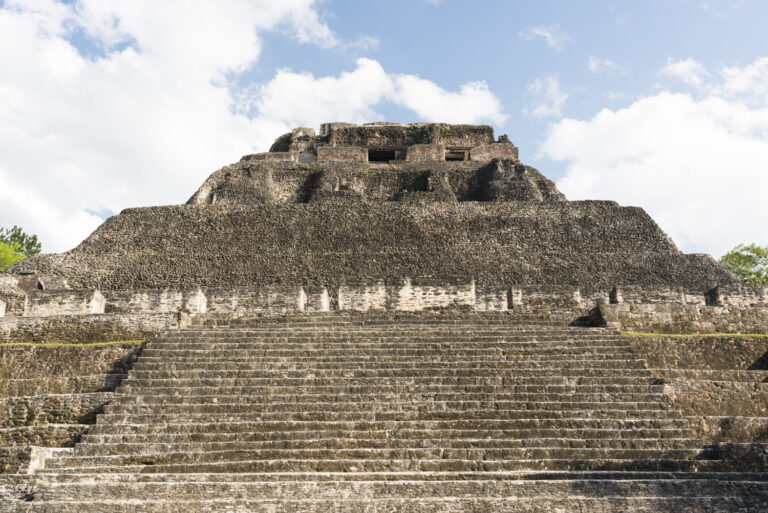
{"x": 382, "y": 318}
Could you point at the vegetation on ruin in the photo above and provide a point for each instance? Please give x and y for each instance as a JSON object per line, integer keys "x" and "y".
{"x": 9, "y": 255}
{"x": 749, "y": 263}
{"x": 15, "y": 245}
{"x": 27, "y": 244}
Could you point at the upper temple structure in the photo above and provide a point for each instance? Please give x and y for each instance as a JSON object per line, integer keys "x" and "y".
{"x": 380, "y": 200}
{"x": 382, "y": 318}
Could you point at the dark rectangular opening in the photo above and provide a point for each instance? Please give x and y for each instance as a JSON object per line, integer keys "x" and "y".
{"x": 454, "y": 155}
{"x": 381, "y": 155}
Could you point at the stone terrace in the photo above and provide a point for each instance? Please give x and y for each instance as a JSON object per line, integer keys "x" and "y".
{"x": 448, "y": 412}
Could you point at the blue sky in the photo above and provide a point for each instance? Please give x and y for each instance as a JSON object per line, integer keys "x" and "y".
{"x": 660, "y": 104}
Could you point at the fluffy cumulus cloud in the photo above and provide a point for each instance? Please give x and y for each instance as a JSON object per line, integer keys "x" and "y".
{"x": 695, "y": 156}
{"x": 107, "y": 105}
{"x": 303, "y": 99}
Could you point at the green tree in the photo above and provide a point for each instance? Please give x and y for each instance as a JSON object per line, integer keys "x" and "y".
{"x": 749, "y": 263}
{"x": 27, "y": 244}
{"x": 9, "y": 255}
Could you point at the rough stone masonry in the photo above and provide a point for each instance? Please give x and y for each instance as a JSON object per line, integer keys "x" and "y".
{"x": 380, "y": 200}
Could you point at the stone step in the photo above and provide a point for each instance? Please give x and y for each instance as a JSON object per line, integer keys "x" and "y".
{"x": 360, "y": 490}
{"x": 135, "y": 382}
{"x": 259, "y": 397}
{"x": 493, "y": 408}
{"x": 72, "y": 477}
{"x": 402, "y": 465}
{"x": 104, "y": 449}
{"x": 457, "y": 436}
{"x": 453, "y": 333}
{"x": 398, "y": 374}
{"x": 750, "y": 376}
{"x": 409, "y": 339}
{"x": 459, "y": 456}
{"x": 278, "y": 353}
{"x": 388, "y": 324}
{"x": 331, "y": 368}
{"x": 393, "y": 361}
{"x": 169, "y": 425}
{"x": 528, "y": 392}
{"x": 611, "y": 504}
{"x": 229, "y": 415}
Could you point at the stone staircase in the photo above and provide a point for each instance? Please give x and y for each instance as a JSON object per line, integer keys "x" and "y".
{"x": 471, "y": 413}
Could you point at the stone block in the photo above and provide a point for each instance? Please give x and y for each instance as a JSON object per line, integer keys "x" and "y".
{"x": 363, "y": 296}
{"x": 274, "y": 156}
{"x": 488, "y": 300}
{"x": 485, "y": 152}
{"x": 317, "y": 300}
{"x": 423, "y": 294}
{"x": 156, "y": 301}
{"x": 46, "y": 303}
{"x": 341, "y": 154}
{"x": 242, "y": 301}
{"x": 2, "y": 309}
{"x": 425, "y": 153}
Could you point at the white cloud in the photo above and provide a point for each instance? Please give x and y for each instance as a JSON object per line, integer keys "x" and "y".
{"x": 696, "y": 162}
{"x": 749, "y": 83}
{"x": 551, "y": 34}
{"x": 473, "y": 103}
{"x": 295, "y": 99}
{"x": 596, "y": 65}
{"x": 549, "y": 98}
{"x": 150, "y": 109}
{"x": 689, "y": 71}
{"x": 301, "y": 99}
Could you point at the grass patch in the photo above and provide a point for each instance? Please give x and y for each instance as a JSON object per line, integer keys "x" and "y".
{"x": 59, "y": 344}
{"x": 688, "y": 335}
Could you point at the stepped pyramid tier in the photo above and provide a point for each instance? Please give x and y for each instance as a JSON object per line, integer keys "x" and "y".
{"x": 380, "y": 200}
{"x": 382, "y": 318}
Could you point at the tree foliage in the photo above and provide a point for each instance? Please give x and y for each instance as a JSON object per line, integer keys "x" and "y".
{"x": 15, "y": 237}
{"x": 749, "y": 263}
{"x": 9, "y": 255}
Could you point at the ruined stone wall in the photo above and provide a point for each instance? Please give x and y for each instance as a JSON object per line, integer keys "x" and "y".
{"x": 87, "y": 328}
{"x": 243, "y": 301}
{"x": 250, "y": 182}
{"x": 407, "y": 294}
{"x": 191, "y": 301}
{"x": 51, "y": 393}
{"x": 684, "y": 318}
{"x": 64, "y": 302}
{"x": 718, "y": 383}
{"x": 589, "y": 244}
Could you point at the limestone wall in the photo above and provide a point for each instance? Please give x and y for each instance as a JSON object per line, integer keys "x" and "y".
{"x": 425, "y": 153}
{"x": 88, "y": 328}
{"x": 718, "y": 383}
{"x": 192, "y": 301}
{"x": 341, "y": 154}
{"x": 241, "y": 301}
{"x": 408, "y": 294}
{"x": 494, "y": 151}
{"x": 45, "y": 303}
{"x": 684, "y": 318}
{"x": 738, "y": 296}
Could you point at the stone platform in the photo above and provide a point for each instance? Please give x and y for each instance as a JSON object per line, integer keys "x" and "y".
{"x": 393, "y": 412}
